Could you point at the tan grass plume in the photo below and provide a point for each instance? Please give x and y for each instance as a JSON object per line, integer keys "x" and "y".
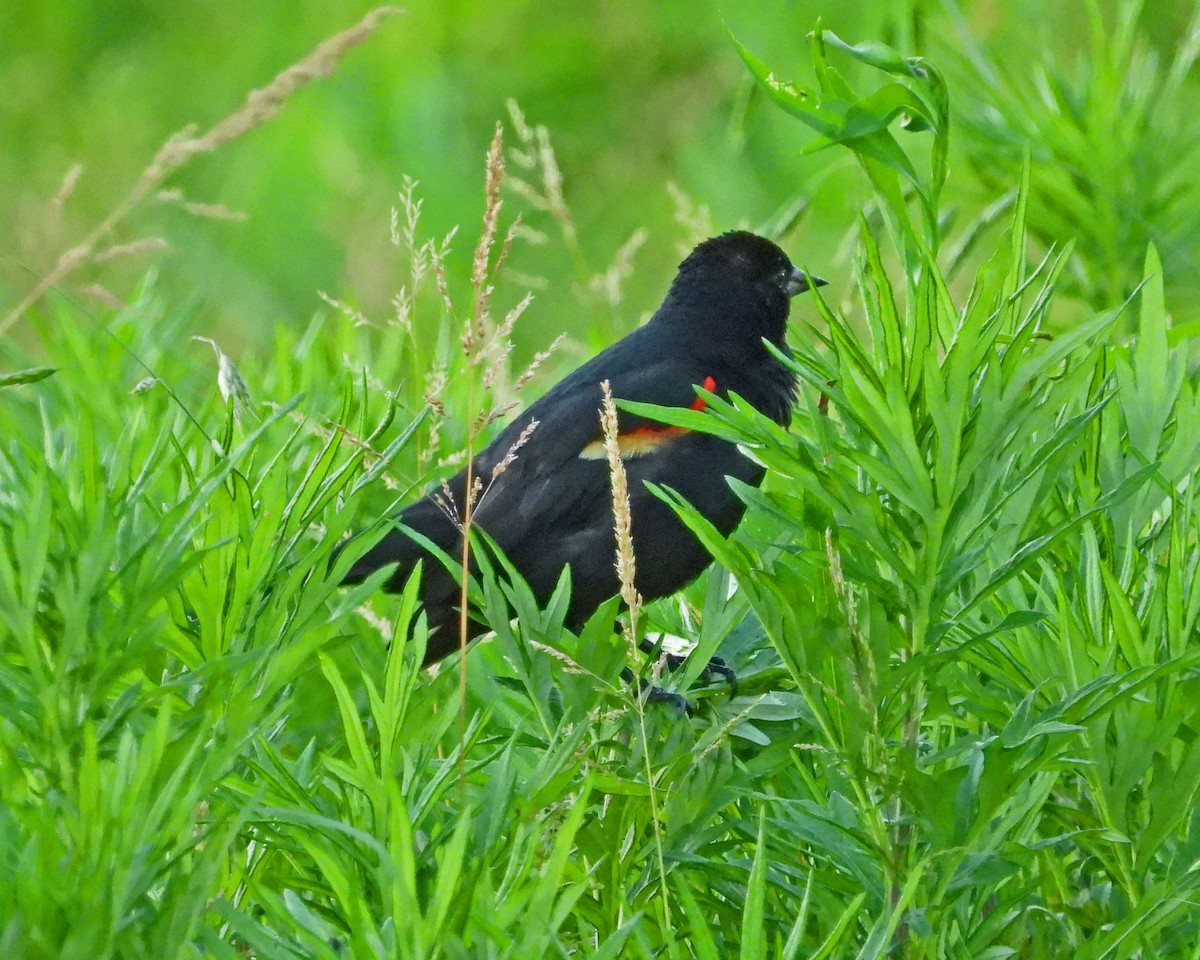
{"x": 183, "y": 146}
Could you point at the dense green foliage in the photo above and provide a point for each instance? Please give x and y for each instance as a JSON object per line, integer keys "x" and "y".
{"x": 965, "y": 627}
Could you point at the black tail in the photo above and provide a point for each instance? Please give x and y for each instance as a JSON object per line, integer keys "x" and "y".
{"x": 439, "y": 592}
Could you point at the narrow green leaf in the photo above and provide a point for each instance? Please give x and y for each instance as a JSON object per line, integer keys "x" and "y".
{"x": 754, "y": 936}
{"x": 32, "y": 375}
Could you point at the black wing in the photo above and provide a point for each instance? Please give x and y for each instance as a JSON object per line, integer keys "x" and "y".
{"x": 550, "y": 477}
{"x": 548, "y": 507}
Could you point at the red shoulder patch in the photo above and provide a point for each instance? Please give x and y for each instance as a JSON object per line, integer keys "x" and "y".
{"x": 647, "y": 438}
{"x": 700, "y": 403}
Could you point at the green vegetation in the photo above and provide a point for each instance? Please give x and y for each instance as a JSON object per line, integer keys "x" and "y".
{"x": 967, "y": 612}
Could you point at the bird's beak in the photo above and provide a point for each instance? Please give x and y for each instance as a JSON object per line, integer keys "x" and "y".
{"x": 799, "y": 281}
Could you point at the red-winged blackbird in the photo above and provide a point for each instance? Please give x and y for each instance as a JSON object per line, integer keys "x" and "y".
{"x": 551, "y": 506}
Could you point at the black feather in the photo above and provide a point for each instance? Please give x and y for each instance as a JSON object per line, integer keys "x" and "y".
{"x": 551, "y": 508}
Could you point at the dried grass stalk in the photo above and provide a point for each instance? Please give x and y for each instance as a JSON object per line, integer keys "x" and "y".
{"x": 538, "y": 359}
{"x": 477, "y": 325}
{"x": 609, "y": 285}
{"x": 626, "y": 571}
{"x": 215, "y": 211}
{"x": 66, "y": 188}
{"x": 102, "y": 294}
{"x": 535, "y": 156}
{"x": 181, "y": 147}
{"x": 511, "y": 454}
{"x": 622, "y": 515}
{"x": 133, "y": 249}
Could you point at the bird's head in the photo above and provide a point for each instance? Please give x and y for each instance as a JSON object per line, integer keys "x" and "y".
{"x": 736, "y": 287}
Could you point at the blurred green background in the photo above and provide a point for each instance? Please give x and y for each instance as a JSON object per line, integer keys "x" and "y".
{"x": 636, "y": 96}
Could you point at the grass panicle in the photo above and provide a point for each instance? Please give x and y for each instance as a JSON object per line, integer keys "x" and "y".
{"x": 184, "y": 146}
{"x": 626, "y": 564}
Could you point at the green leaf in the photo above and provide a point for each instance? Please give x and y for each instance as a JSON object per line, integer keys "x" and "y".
{"x": 32, "y": 375}
{"x": 874, "y": 54}
{"x": 754, "y": 939}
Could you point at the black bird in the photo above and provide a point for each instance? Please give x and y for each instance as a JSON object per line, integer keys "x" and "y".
{"x": 551, "y": 506}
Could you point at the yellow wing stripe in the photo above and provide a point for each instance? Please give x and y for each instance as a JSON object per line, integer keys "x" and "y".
{"x": 644, "y": 440}
{"x": 637, "y": 443}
